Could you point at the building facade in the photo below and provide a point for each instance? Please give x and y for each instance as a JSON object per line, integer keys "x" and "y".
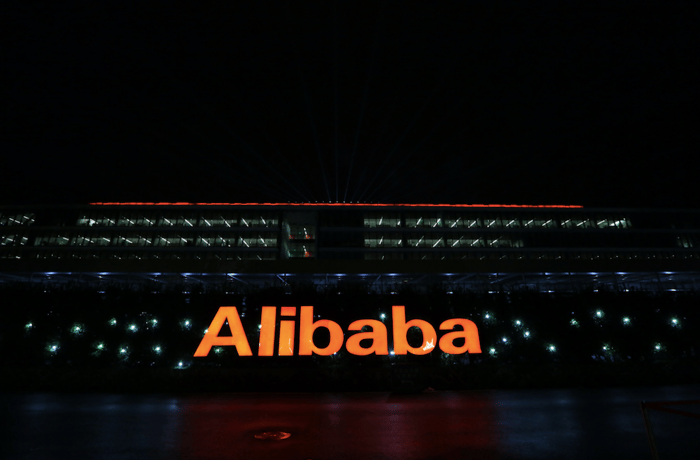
{"x": 379, "y": 245}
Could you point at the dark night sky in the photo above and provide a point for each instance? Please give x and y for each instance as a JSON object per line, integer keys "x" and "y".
{"x": 577, "y": 102}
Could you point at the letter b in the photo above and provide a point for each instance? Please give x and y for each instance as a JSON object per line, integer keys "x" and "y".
{"x": 307, "y": 326}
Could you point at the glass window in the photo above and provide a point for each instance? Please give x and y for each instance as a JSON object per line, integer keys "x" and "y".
{"x": 17, "y": 219}
{"x": 259, "y": 240}
{"x": 423, "y": 221}
{"x": 382, "y": 220}
{"x": 426, "y": 241}
{"x": 173, "y": 239}
{"x": 303, "y": 251}
{"x": 97, "y": 220}
{"x": 218, "y": 219}
{"x": 383, "y": 240}
{"x": 13, "y": 240}
{"x": 258, "y": 220}
{"x": 462, "y": 222}
{"x": 462, "y": 241}
{"x": 300, "y": 232}
{"x": 539, "y": 222}
{"x": 177, "y": 220}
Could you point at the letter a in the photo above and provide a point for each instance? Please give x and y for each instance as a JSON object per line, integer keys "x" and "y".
{"x": 378, "y": 337}
{"x": 401, "y": 328}
{"x": 469, "y": 333}
{"x": 237, "y": 339}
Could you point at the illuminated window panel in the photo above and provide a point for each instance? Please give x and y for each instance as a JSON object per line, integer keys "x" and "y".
{"x": 258, "y": 220}
{"x": 97, "y": 220}
{"x": 301, "y": 251}
{"x": 423, "y": 221}
{"x": 218, "y": 220}
{"x": 177, "y": 220}
{"x": 173, "y": 240}
{"x": 510, "y": 222}
{"x": 17, "y": 219}
{"x": 577, "y": 223}
{"x": 379, "y": 220}
{"x": 462, "y": 222}
{"x": 685, "y": 241}
{"x": 13, "y": 240}
{"x": 388, "y": 240}
{"x": 260, "y": 240}
{"x": 426, "y": 241}
{"x": 52, "y": 240}
{"x": 145, "y": 220}
{"x": 539, "y": 222}
{"x": 301, "y": 232}
{"x": 611, "y": 222}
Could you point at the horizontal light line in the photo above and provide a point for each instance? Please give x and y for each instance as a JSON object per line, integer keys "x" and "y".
{"x": 411, "y": 205}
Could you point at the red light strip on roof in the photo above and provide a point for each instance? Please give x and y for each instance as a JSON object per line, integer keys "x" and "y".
{"x": 409, "y": 205}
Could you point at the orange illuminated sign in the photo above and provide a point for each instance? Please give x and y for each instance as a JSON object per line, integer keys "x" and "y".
{"x": 459, "y": 328}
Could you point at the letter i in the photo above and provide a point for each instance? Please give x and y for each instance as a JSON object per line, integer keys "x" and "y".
{"x": 266, "y": 347}
{"x": 287, "y": 332}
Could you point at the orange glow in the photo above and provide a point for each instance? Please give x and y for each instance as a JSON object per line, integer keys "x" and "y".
{"x": 401, "y": 327}
{"x": 237, "y": 339}
{"x": 288, "y": 311}
{"x": 410, "y": 205}
{"x": 306, "y": 334}
{"x": 266, "y": 347}
{"x": 469, "y": 333}
{"x": 286, "y": 347}
{"x": 378, "y": 337}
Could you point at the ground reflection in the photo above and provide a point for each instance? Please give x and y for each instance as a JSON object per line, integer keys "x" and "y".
{"x": 525, "y": 424}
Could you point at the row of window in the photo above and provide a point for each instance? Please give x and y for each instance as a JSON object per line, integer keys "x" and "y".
{"x": 146, "y": 219}
{"x": 396, "y": 240}
{"x": 393, "y": 220}
{"x": 230, "y": 240}
{"x": 439, "y": 255}
{"x": 140, "y": 255}
{"x": 16, "y": 219}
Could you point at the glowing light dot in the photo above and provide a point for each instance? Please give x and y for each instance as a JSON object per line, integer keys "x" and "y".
{"x": 28, "y": 326}
{"x": 206, "y": 330}
{"x": 574, "y": 322}
{"x": 157, "y": 349}
{"x": 382, "y": 316}
{"x": 187, "y": 323}
{"x": 552, "y": 348}
{"x": 527, "y": 333}
{"x": 604, "y": 347}
{"x": 132, "y": 327}
{"x": 626, "y": 320}
{"x": 54, "y": 348}
{"x": 391, "y": 352}
{"x": 122, "y": 351}
{"x": 492, "y": 351}
{"x": 487, "y": 316}
{"x": 504, "y": 340}
{"x": 100, "y": 346}
{"x": 518, "y": 323}
{"x": 259, "y": 326}
{"x": 113, "y": 322}
{"x": 599, "y": 313}
{"x": 674, "y": 321}
{"x": 657, "y": 346}
{"x": 179, "y": 364}
{"x": 217, "y": 350}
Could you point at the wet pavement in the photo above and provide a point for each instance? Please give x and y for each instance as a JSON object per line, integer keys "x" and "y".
{"x": 522, "y": 424}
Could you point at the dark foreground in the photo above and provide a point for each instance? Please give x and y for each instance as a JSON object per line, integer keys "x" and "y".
{"x": 517, "y": 424}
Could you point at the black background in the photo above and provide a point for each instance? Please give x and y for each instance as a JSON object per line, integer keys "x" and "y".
{"x": 542, "y": 102}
